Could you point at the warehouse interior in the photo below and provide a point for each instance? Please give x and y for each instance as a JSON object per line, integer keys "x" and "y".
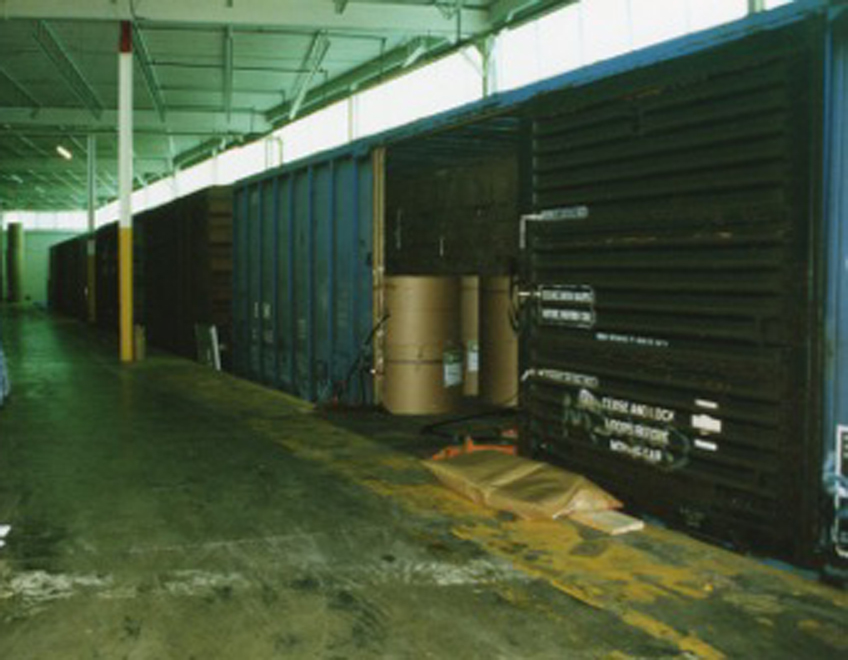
{"x": 295, "y": 295}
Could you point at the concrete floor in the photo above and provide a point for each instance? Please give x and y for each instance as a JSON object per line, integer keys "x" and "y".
{"x": 166, "y": 511}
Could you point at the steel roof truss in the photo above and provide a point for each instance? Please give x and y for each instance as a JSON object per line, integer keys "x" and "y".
{"x": 67, "y": 68}
{"x": 382, "y": 17}
{"x": 148, "y": 72}
{"x": 20, "y": 89}
{"x": 311, "y": 63}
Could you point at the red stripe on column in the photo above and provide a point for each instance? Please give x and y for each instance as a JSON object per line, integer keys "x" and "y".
{"x": 126, "y": 37}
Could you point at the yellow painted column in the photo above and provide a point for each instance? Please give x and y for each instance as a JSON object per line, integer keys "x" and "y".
{"x": 125, "y": 173}
{"x": 126, "y": 293}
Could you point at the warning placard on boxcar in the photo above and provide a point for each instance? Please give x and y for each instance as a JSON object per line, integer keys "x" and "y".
{"x": 567, "y": 305}
{"x": 641, "y": 431}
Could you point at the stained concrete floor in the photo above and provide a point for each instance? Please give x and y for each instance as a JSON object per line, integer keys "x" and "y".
{"x": 165, "y": 511}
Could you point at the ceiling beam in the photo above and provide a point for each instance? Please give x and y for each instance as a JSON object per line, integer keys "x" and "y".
{"x": 361, "y": 76}
{"x": 39, "y": 198}
{"x": 228, "y": 72}
{"x": 8, "y": 146}
{"x": 504, "y": 12}
{"x": 383, "y": 17}
{"x": 199, "y": 153}
{"x": 172, "y": 151}
{"x": 216, "y": 66}
{"x": 184, "y": 88}
{"x": 20, "y": 89}
{"x": 148, "y": 73}
{"x": 187, "y": 122}
{"x": 67, "y": 68}
{"x": 311, "y": 63}
{"x": 77, "y": 166}
{"x": 32, "y": 145}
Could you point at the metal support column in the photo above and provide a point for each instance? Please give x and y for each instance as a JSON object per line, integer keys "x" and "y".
{"x": 90, "y": 243}
{"x": 487, "y": 51}
{"x": 125, "y": 185}
{"x": 756, "y": 6}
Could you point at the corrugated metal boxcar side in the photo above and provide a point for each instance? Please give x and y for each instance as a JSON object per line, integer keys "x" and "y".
{"x": 674, "y": 341}
{"x": 106, "y": 277}
{"x": 67, "y": 288}
{"x": 184, "y": 270}
{"x": 302, "y": 277}
{"x": 835, "y": 242}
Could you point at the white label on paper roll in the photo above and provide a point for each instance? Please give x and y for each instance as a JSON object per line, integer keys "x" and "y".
{"x": 452, "y": 361}
{"x": 472, "y": 357}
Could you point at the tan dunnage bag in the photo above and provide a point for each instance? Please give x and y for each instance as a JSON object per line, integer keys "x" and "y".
{"x": 475, "y": 475}
{"x": 529, "y": 489}
{"x": 551, "y": 493}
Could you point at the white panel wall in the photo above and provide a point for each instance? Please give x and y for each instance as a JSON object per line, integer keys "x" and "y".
{"x": 597, "y": 30}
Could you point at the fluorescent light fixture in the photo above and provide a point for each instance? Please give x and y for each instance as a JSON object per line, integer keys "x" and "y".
{"x": 64, "y": 153}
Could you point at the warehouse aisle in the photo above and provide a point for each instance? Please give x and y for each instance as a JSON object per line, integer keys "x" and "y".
{"x": 165, "y": 511}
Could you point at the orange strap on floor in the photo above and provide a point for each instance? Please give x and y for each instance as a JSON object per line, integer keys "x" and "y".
{"x": 469, "y": 446}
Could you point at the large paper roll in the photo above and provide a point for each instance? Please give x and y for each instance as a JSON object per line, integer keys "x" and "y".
{"x": 423, "y": 359}
{"x": 498, "y": 343}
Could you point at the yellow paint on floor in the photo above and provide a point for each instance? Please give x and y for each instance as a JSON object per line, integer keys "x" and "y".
{"x": 605, "y": 573}
{"x": 831, "y": 635}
